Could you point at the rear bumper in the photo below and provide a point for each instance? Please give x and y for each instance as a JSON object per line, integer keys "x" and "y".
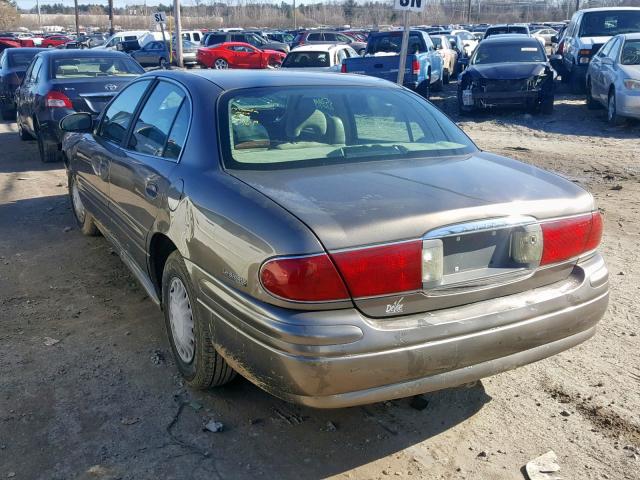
{"x": 49, "y": 122}
{"x": 340, "y": 358}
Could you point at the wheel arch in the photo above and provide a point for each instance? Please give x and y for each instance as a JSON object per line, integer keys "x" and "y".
{"x": 160, "y": 247}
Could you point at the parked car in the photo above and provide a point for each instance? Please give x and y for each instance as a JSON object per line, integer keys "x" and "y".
{"x": 59, "y": 82}
{"x": 507, "y": 70}
{"x": 13, "y": 63}
{"x": 588, "y": 30}
{"x": 54, "y": 41}
{"x": 7, "y": 43}
{"x": 238, "y": 55}
{"x": 317, "y": 37}
{"x": 319, "y": 57}
{"x": 515, "y": 28}
{"x": 282, "y": 37}
{"x": 127, "y": 36}
{"x": 333, "y": 238}
{"x": 613, "y": 78}
{"x": 546, "y": 33}
{"x": 469, "y": 41}
{"x": 216, "y": 38}
{"x": 157, "y": 54}
{"x": 382, "y": 60}
{"x": 449, "y": 56}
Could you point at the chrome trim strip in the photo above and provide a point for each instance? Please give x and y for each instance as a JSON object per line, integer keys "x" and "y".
{"x": 480, "y": 226}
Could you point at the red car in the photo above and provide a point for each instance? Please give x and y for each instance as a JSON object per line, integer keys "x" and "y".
{"x": 54, "y": 41}
{"x": 238, "y": 55}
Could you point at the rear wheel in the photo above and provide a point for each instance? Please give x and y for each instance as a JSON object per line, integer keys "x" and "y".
{"x": 437, "y": 85}
{"x": 83, "y": 218}
{"x": 49, "y": 152}
{"x": 220, "y": 64}
{"x": 163, "y": 63}
{"x": 189, "y": 334}
{"x": 424, "y": 89}
{"x": 446, "y": 76}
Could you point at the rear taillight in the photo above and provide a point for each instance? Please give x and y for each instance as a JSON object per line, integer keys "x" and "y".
{"x": 381, "y": 270}
{"x": 55, "y": 99}
{"x": 568, "y": 238}
{"x": 311, "y": 278}
{"x": 343, "y": 68}
{"x": 415, "y": 67}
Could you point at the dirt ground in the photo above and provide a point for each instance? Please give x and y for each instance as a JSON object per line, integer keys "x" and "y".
{"x": 105, "y": 401}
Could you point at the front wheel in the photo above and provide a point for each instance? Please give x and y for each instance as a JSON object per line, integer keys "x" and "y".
{"x": 83, "y": 218}
{"x": 24, "y": 135}
{"x": 220, "y": 64}
{"x": 612, "y": 110}
{"x": 591, "y": 103}
{"x": 189, "y": 334}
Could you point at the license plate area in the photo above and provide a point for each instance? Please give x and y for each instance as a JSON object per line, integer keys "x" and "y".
{"x": 480, "y": 254}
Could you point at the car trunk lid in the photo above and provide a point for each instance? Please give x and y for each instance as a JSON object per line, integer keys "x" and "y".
{"x": 372, "y": 204}
{"x": 91, "y": 95}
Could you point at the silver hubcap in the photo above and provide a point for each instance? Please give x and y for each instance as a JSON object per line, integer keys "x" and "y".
{"x": 221, "y": 64}
{"x": 181, "y": 319}
{"x": 78, "y": 206}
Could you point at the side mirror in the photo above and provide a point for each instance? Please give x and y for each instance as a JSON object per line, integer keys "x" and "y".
{"x": 554, "y": 39}
{"x": 77, "y": 122}
{"x": 606, "y": 61}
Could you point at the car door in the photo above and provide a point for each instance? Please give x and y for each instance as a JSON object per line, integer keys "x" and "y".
{"x": 612, "y": 68}
{"x": 602, "y": 69}
{"x": 95, "y": 151}
{"x": 139, "y": 179}
{"x": 29, "y": 96}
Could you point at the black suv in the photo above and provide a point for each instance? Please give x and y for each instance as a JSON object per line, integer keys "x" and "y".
{"x": 215, "y": 38}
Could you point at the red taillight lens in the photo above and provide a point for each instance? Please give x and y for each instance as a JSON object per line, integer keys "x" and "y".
{"x": 55, "y": 99}
{"x": 570, "y": 237}
{"x": 343, "y": 68}
{"x": 303, "y": 279}
{"x": 382, "y": 270}
{"x": 415, "y": 67}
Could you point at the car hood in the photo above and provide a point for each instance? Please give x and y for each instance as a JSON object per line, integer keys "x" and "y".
{"x": 272, "y": 52}
{"x": 631, "y": 71}
{"x": 365, "y": 203}
{"x": 506, "y": 71}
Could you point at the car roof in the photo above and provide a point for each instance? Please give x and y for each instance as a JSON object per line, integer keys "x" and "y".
{"x": 236, "y": 79}
{"x": 81, "y": 53}
{"x": 11, "y": 51}
{"x": 631, "y": 36}
{"x": 608, "y": 9}
{"x": 509, "y": 38}
{"x": 320, "y": 47}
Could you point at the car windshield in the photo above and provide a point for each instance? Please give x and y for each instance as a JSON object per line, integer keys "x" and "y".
{"x": 610, "y": 23}
{"x": 508, "y": 52}
{"x": 87, "y": 67}
{"x": 630, "y": 53}
{"x": 21, "y": 60}
{"x": 284, "y": 127}
{"x": 306, "y": 60}
{"x": 466, "y": 36}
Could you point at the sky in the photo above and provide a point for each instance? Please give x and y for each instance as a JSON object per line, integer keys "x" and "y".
{"x": 26, "y": 4}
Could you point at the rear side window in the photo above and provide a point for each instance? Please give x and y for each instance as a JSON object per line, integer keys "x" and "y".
{"x": 216, "y": 39}
{"x": 178, "y": 134}
{"x": 118, "y": 116}
{"x": 156, "y": 119}
{"x": 314, "y": 37}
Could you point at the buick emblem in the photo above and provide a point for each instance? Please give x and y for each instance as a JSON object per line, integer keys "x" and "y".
{"x": 111, "y": 87}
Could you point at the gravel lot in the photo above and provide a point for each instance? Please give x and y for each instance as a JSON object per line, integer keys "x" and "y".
{"x": 105, "y": 400}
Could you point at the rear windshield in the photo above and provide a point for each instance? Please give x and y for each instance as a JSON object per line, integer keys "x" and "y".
{"x": 509, "y": 29}
{"x": 392, "y": 44}
{"x": 88, "y": 67}
{"x": 284, "y": 127}
{"x": 630, "y": 53}
{"x": 609, "y": 23}
{"x": 21, "y": 60}
{"x": 437, "y": 41}
{"x": 306, "y": 60}
{"x": 508, "y": 52}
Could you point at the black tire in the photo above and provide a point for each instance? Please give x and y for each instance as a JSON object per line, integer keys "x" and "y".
{"x": 8, "y": 114}
{"x": 612, "y": 110}
{"x": 22, "y": 133}
{"x": 546, "y": 105}
{"x": 437, "y": 85}
{"x": 361, "y": 52}
{"x": 424, "y": 89}
{"x": 162, "y": 63}
{"x": 49, "y": 152}
{"x": 207, "y": 368}
{"x": 83, "y": 218}
{"x": 577, "y": 84}
{"x": 591, "y": 103}
{"x": 446, "y": 76}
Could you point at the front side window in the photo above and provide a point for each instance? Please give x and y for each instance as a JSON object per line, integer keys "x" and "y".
{"x": 117, "y": 117}
{"x": 278, "y": 127}
{"x": 89, "y": 67}
{"x": 154, "y": 123}
{"x": 630, "y": 53}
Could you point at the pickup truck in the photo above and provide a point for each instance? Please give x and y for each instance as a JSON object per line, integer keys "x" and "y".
{"x": 382, "y": 59}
